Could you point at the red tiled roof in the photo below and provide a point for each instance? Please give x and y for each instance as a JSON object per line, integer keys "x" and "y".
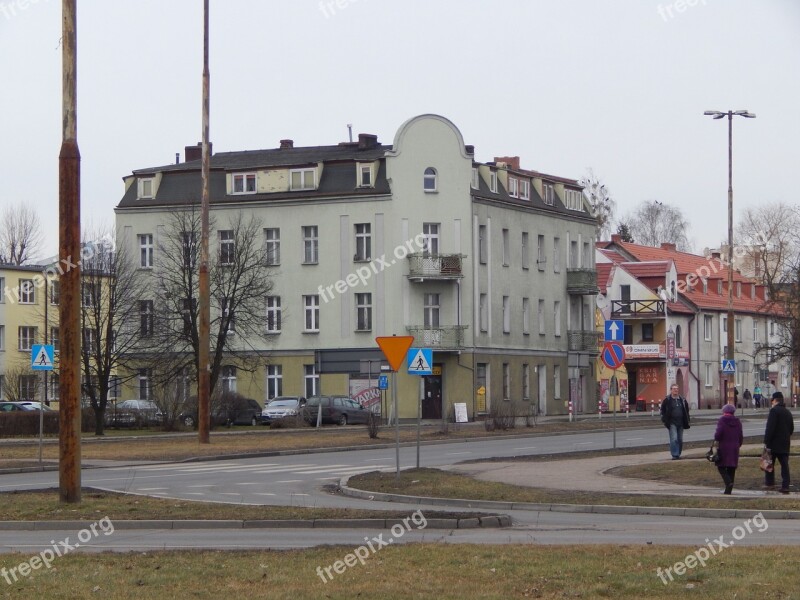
{"x": 603, "y": 275}
{"x": 647, "y": 269}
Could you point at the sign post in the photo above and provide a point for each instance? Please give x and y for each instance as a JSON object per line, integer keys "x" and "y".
{"x": 42, "y": 360}
{"x": 395, "y": 348}
{"x": 420, "y": 362}
{"x": 613, "y": 356}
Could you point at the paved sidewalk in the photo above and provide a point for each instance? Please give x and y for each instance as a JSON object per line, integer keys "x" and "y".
{"x": 591, "y": 475}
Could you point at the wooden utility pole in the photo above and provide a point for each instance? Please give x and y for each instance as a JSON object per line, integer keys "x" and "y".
{"x": 204, "y": 375}
{"x": 69, "y": 253}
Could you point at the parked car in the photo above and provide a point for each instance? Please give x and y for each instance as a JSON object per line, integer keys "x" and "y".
{"x": 27, "y": 405}
{"x": 281, "y": 407}
{"x": 230, "y": 409}
{"x": 335, "y": 409}
{"x": 132, "y": 413}
{"x": 12, "y": 406}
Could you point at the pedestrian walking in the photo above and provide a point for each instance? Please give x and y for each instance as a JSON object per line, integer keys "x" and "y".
{"x": 780, "y": 427}
{"x": 747, "y": 397}
{"x": 757, "y": 396}
{"x": 728, "y": 438}
{"x": 675, "y": 417}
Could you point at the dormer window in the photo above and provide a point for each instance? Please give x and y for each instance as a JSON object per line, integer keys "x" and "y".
{"x": 475, "y": 181}
{"x": 302, "y": 179}
{"x": 244, "y": 183}
{"x": 549, "y": 194}
{"x": 524, "y": 189}
{"x": 719, "y": 287}
{"x": 146, "y": 187}
{"x": 573, "y": 200}
{"x": 705, "y": 286}
{"x": 752, "y": 291}
{"x": 365, "y": 175}
{"x": 738, "y": 289}
{"x": 513, "y": 187}
{"x": 429, "y": 180}
{"x": 493, "y": 181}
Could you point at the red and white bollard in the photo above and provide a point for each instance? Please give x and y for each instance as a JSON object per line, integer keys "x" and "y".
{"x": 570, "y": 411}
{"x": 627, "y": 409}
{"x": 652, "y": 408}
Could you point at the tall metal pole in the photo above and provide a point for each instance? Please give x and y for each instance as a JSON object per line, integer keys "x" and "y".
{"x": 731, "y": 340}
{"x": 204, "y": 375}
{"x": 69, "y": 251}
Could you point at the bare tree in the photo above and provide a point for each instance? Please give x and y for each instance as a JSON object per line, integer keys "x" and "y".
{"x": 654, "y": 223}
{"x": 19, "y": 384}
{"x": 111, "y": 286}
{"x": 603, "y": 205}
{"x": 20, "y": 234}
{"x": 240, "y": 283}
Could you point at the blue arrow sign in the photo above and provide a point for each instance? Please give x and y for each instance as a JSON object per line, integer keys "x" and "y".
{"x": 728, "y": 366}
{"x": 42, "y": 357}
{"x": 614, "y": 330}
{"x": 383, "y": 382}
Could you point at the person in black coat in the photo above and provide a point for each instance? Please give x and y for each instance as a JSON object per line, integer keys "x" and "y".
{"x": 675, "y": 417}
{"x": 780, "y": 427}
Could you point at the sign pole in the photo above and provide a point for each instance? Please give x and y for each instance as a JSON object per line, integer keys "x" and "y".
{"x": 614, "y": 414}
{"x": 41, "y": 416}
{"x": 396, "y": 427}
{"x": 419, "y": 413}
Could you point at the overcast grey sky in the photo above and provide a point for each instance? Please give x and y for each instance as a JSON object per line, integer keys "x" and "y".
{"x": 618, "y": 86}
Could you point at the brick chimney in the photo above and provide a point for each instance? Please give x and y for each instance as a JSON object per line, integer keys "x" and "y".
{"x": 716, "y": 254}
{"x": 668, "y": 246}
{"x": 469, "y": 149}
{"x": 367, "y": 141}
{"x": 512, "y": 162}
{"x": 287, "y": 144}
{"x": 616, "y": 238}
{"x": 194, "y": 152}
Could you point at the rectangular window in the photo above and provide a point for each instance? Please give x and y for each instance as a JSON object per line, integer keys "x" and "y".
{"x": 540, "y": 317}
{"x": 55, "y": 339}
{"x": 431, "y": 308}
{"x": 302, "y": 179}
{"x": 227, "y": 247}
{"x": 310, "y": 245}
{"x": 310, "y": 380}
{"x": 525, "y": 250}
{"x": 2, "y": 337}
{"x": 189, "y": 243}
{"x": 556, "y": 255}
{"x": 244, "y": 183}
{"x": 146, "y": 187}
{"x": 573, "y": 254}
{"x": 784, "y": 376}
{"x": 363, "y": 242}
{"x": 482, "y": 378}
{"x": 513, "y": 187}
{"x": 506, "y": 248}
{"x": 272, "y": 238}
{"x": 772, "y": 327}
{"x": 475, "y": 184}
{"x": 364, "y": 312}
{"x": 89, "y": 295}
{"x": 557, "y": 317}
{"x": 27, "y": 387}
{"x": 55, "y": 387}
{"x": 365, "y": 175}
{"x": 541, "y": 254}
{"x": 526, "y": 316}
{"x": 725, "y": 324}
{"x": 2, "y": 290}
{"x": 55, "y": 291}
{"x": 228, "y": 316}
{"x": 311, "y": 307}
{"x": 274, "y": 381}
{"x": 144, "y": 383}
{"x": 587, "y": 256}
{"x": 482, "y": 242}
{"x": 484, "y": 312}
{"x": 145, "y": 250}
{"x": 506, "y": 314}
{"x": 548, "y": 194}
{"x": 27, "y": 292}
{"x": 145, "y": 318}
{"x": 229, "y": 379}
{"x": 755, "y": 330}
{"x": 493, "y": 181}
{"x": 647, "y": 332}
{"x": 573, "y": 200}
{"x": 557, "y": 382}
{"x": 27, "y": 337}
{"x": 273, "y": 314}
{"x": 430, "y": 233}
{"x": 708, "y": 327}
{"x": 738, "y": 329}
{"x": 188, "y": 310}
{"x": 506, "y": 381}
{"x": 526, "y": 382}
{"x": 89, "y": 340}
{"x": 524, "y": 189}
{"x": 709, "y": 377}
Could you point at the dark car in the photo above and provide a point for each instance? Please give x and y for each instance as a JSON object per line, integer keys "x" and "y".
{"x": 133, "y": 413}
{"x": 229, "y": 409}
{"x": 282, "y": 407}
{"x": 12, "y": 406}
{"x": 335, "y": 409}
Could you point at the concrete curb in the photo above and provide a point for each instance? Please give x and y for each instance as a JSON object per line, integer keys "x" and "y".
{"x": 711, "y": 513}
{"x": 487, "y": 521}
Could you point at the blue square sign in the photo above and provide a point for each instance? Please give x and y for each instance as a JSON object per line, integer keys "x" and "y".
{"x": 383, "y": 382}
{"x": 615, "y": 330}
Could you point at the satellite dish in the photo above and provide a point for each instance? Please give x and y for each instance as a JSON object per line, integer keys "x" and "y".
{"x": 601, "y": 301}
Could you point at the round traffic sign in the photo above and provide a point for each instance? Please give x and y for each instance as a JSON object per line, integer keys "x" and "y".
{"x": 613, "y": 355}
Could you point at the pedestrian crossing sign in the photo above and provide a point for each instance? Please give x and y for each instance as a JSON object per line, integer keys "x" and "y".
{"x": 420, "y": 361}
{"x": 728, "y": 366}
{"x": 42, "y": 357}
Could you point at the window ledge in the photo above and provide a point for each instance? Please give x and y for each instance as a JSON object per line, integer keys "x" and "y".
{"x": 310, "y": 331}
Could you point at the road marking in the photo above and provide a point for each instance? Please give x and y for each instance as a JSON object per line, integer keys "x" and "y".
{"x": 455, "y": 453}
{"x": 289, "y": 481}
{"x": 149, "y": 489}
{"x": 229, "y": 493}
{"x": 345, "y": 470}
{"x": 583, "y": 443}
{"x": 201, "y": 485}
{"x": 193, "y": 494}
{"x": 526, "y": 448}
{"x": 633, "y": 439}
{"x": 250, "y": 483}
{"x": 374, "y": 459}
{"x": 263, "y": 494}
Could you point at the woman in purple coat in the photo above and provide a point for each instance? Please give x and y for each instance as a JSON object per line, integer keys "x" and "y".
{"x": 728, "y": 438}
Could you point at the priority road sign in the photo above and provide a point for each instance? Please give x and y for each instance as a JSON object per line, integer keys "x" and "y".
{"x": 728, "y": 365}
{"x": 42, "y": 357}
{"x": 613, "y": 355}
{"x": 395, "y": 348}
{"x": 420, "y": 361}
{"x": 614, "y": 330}
{"x": 383, "y": 382}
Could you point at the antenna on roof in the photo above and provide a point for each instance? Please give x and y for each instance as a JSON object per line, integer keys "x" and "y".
{"x": 350, "y": 131}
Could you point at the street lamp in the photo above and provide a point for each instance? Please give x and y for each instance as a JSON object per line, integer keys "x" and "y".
{"x": 716, "y": 114}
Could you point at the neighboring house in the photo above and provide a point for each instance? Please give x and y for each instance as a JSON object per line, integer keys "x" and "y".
{"x": 488, "y": 264}
{"x": 701, "y": 286}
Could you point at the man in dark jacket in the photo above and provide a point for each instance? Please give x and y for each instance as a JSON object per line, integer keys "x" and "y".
{"x": 780, "y": 427}
{"x": 675, "y": 417}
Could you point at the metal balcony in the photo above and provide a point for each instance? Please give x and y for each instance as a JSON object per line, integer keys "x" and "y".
{"x": 637, "y": 309}
{"x": 582, "y": 282}
{"x": 434, "y": 266}
{"x": 440, "y": 338}
{"x": 584, "y": 341}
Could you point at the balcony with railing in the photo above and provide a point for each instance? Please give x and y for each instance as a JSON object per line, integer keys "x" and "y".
{"x": 440, "y": 338}
{"x": 584, "y": 341}
{"x": 582, "y": 282}
{"x": 422, "y": 266}
{"x": 637, "y": 309}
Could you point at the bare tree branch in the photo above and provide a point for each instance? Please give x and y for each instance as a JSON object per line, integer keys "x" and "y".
{"x": 654, "y": 223}
{"x": 20, "y": 234}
